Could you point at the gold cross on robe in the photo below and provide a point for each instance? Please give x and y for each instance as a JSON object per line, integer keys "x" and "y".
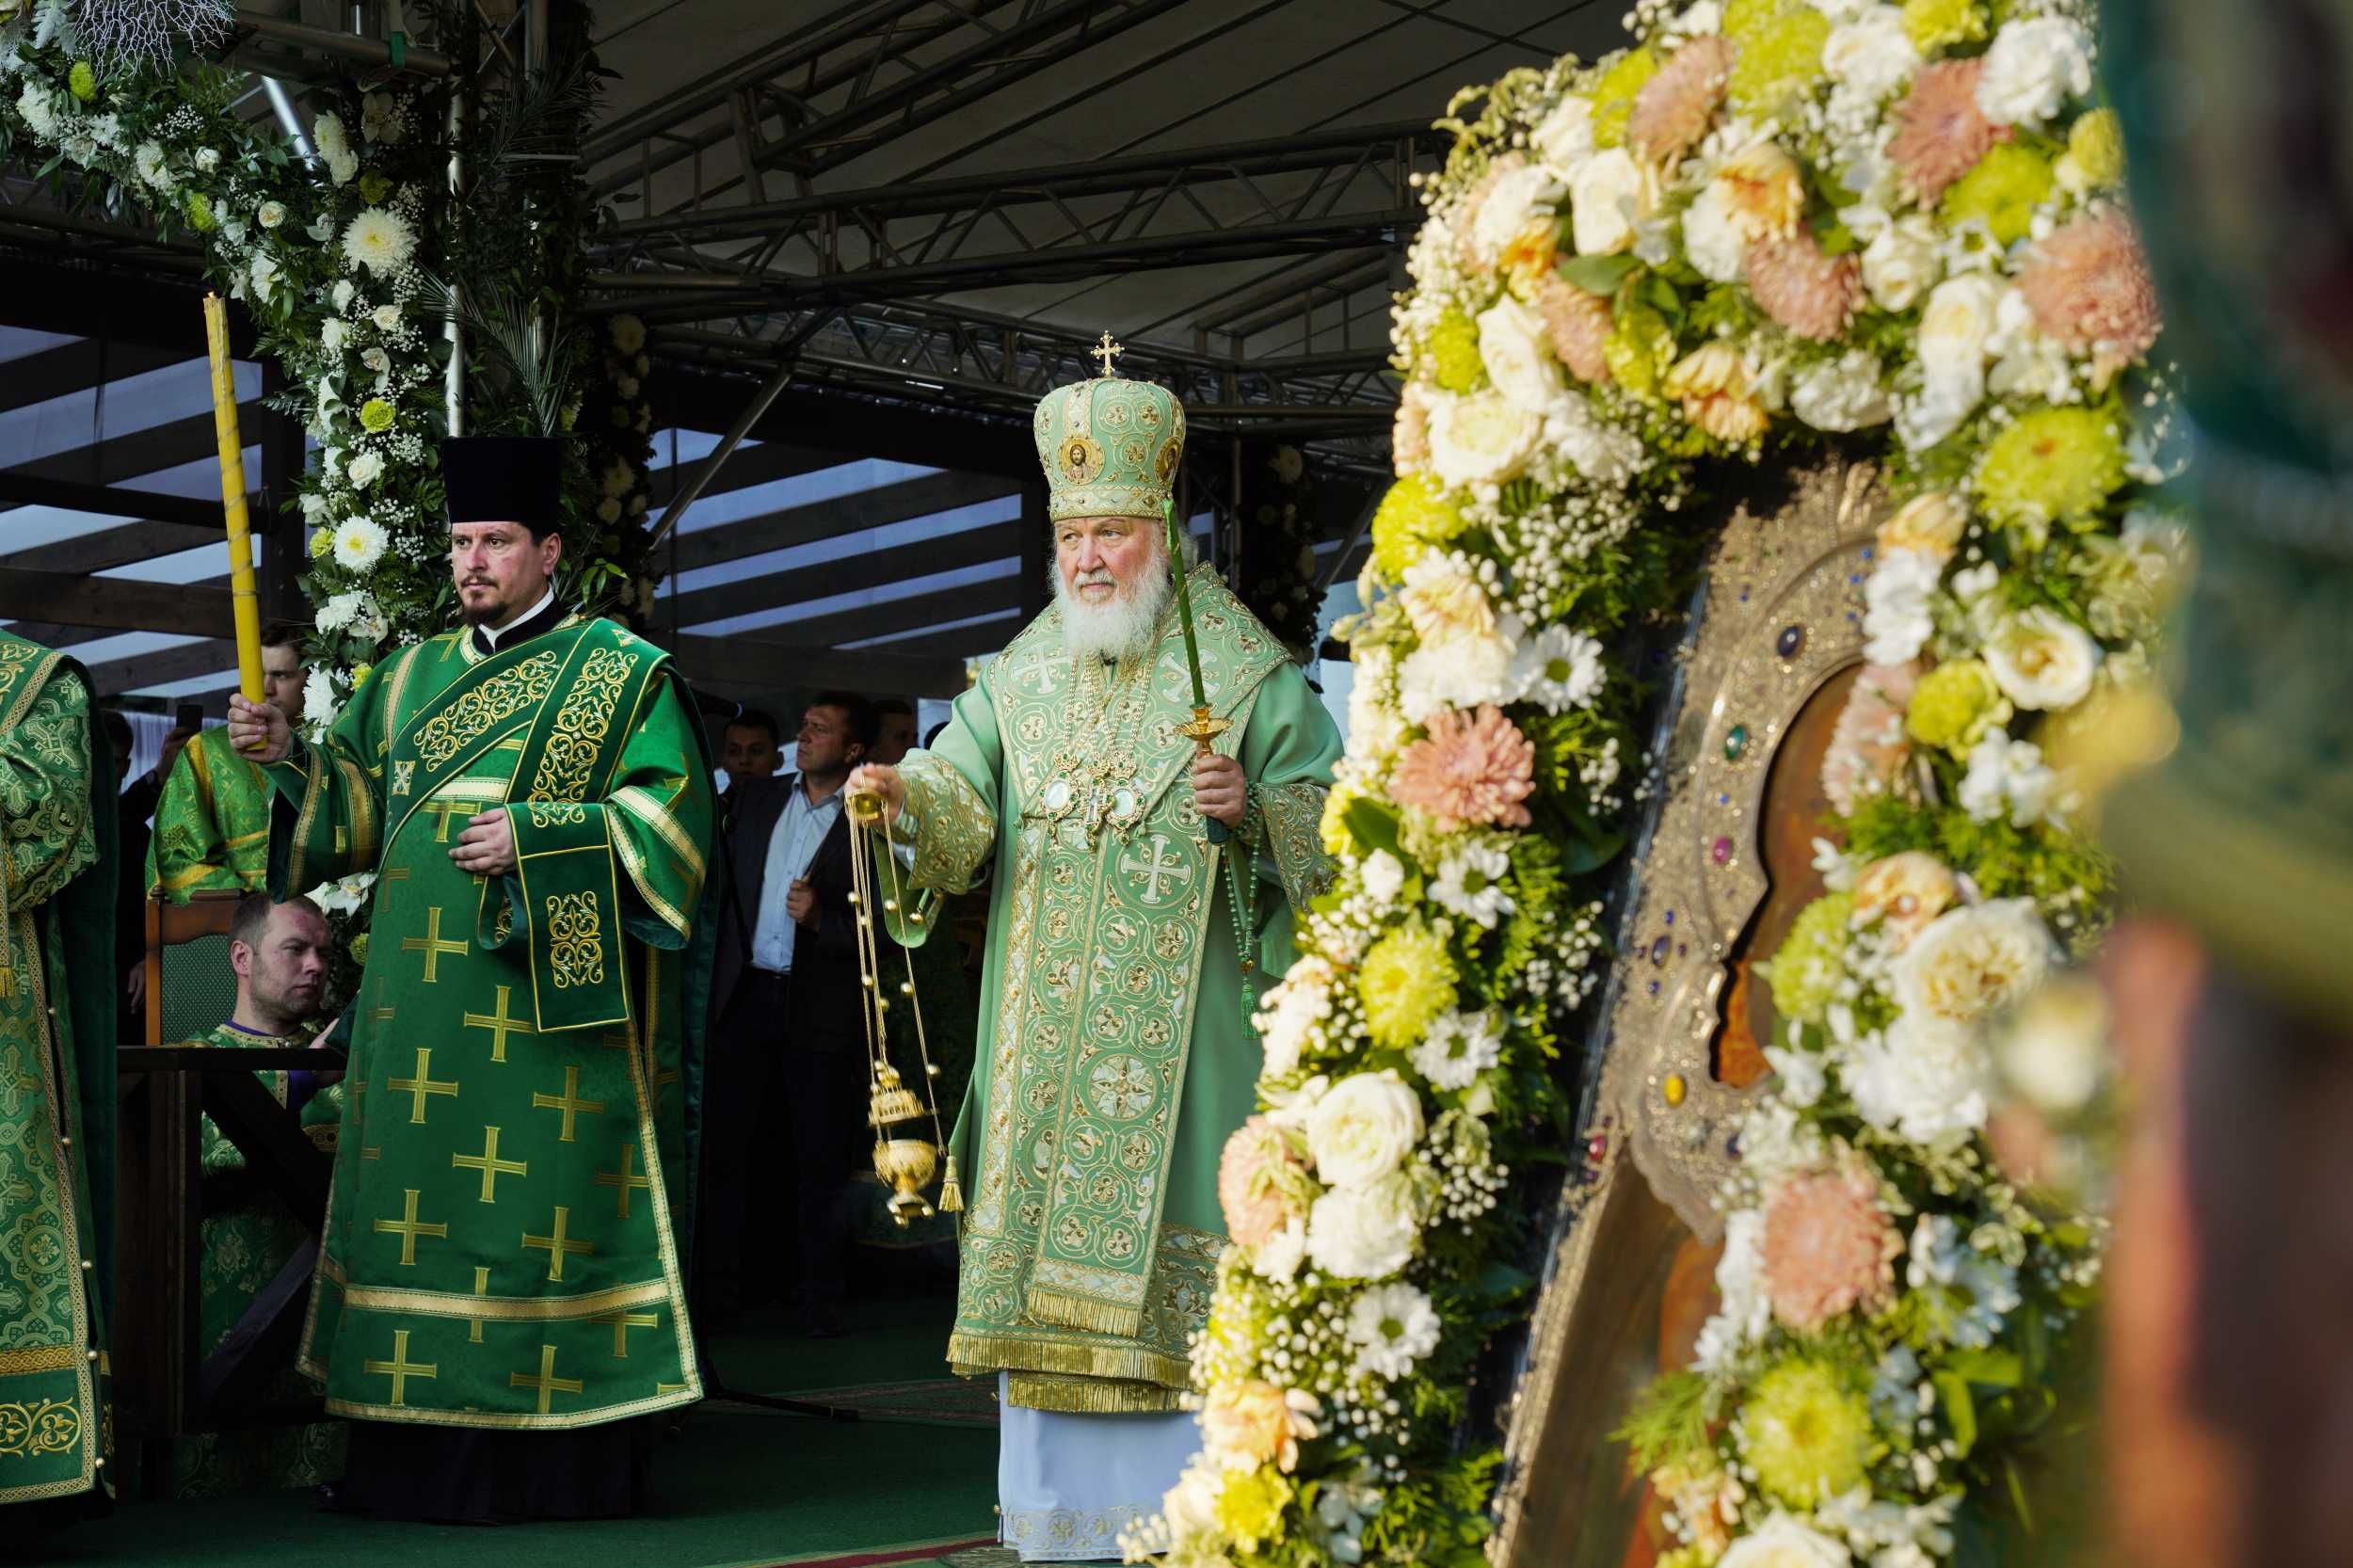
{"x": 623, "y": 1179}
{"x": 481, "y": 1288}
{"x": 443, "y": 808}
{"x": 409, "y": 1227}
{"x": 400, "y": 1368}
{"x": 432, "y": 944}
{"x": 568, "y": 1102}
{"x": 491, "y": 1166}
{"x": 547, "y": 1382}
{"x": 622, "y": 1322}
{"x": 499, "y": 1024}
{"x": 559, "y": 1246}
{"x": 420, "y": 1086}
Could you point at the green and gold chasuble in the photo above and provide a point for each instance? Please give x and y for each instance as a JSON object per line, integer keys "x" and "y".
{"x": 212, "y": 821}
{"x": 56, "y": 1079}
{"x": 1116, "y": 1053}
{"x": 511, "y": 1182}
{"x": 248, "y": 1235}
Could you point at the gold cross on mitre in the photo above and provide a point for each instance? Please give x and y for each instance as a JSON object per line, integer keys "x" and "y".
{"x": 1106, "y": 351}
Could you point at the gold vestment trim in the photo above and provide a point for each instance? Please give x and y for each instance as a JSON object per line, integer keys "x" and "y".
{"x": 1089, "y": 1396}
{"x": 444, "y": 1303}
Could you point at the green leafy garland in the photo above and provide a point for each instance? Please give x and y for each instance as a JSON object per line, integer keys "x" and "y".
{"x": 1769, "y": 227}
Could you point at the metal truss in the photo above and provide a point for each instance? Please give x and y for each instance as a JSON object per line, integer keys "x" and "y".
{"x": 840, "y": 85}
{"x": 1296, "y": 196}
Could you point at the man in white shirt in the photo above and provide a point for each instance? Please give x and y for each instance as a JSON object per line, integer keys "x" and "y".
{"x": 788, "y": 1078}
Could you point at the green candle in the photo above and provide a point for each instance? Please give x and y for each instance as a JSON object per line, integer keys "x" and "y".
{"x": 1184, "y": 603}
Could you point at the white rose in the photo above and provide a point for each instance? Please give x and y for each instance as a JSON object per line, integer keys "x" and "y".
{"x": 1898, "y": 598}
{"x": 1901, "y": 262}
{"x": 1922, "y": 1080}
{"x": 1842, "y": 394}
{"x": 1871, "y": 56}
{"x": 1954, "y": 330}
{"x": 387, "y": 318}
{"x": 1609, "y": 194}
{"x": 1481, "y": 440}
{"x": 2032, "y": 69}
{"x": 1565, "y": 139}
{"x": 2055, "y": 1051}
{"x": 208, "y": 158}
{"x": 2042, "y": 660}
{"x": 1972, "y": 961}
{"x": 1782, "y": 1541}
{"x": 1710, "y": 237}
{"x": 1516, "y": 198}
{"x": 1513, "y": 346}
{"x": 271, "y": 213}
{"x": 365, "y": 469}
{"x": 1384, "y": 876}
{"x": 1365, "y": 1232}
{"x": 1363, "y": 1129}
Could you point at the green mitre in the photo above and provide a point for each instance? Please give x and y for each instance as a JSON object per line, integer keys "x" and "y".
{"x": 2244, "y": 830}
{"x": 1109, "y": 445}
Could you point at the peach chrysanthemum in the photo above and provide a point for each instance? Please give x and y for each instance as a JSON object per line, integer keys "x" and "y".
{"x": 1674, "y": 108}
{"x": 1471, "y": 768}
{"x": 1812, "y": 295}
{"x": 1828, "y": 1249}
{"x": 1942, "y": 132}
{"x": 1868, "y": 748}
{"x": 1409, "y": 438}
{"x": 1577, "y": 324}
{"x": 1250, "y": 1182}
{"x": 2088, "y": 287}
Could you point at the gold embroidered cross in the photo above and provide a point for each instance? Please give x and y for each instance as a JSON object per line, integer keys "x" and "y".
{"x": 404, "y": 775}
{"x": 481, "y": 1288}
{"x": 568, "y": 1102}
{"x": 622, "y": 1322}
{"x": 499, "y": 1024}
{"x": 400, "y": 1368}
{"x": 432, "y": 944}
{"x": 443, "y": 808}
{"x": 624, "y": 1180}
{"x": 409, "y": 1227}
{"x": 420, "y": 1086}
{"x": 490, "y": 1164}
{"x": 558, "y": 1245}
{"x": 547, "y": 1382}
{"x": 1105, "y": 352}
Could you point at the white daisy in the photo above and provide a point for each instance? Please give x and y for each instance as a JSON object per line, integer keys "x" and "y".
{"x": 380, "y": 240}
{"x": 359, "y": 543}
{"x": 1470, "y": 884}
{"x": 1394, "y": 1326}
{"x": 1459, "y": 1047}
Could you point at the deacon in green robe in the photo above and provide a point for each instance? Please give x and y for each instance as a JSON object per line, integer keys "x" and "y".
{"x": 57, "y": 1091}
{"x": 1115, "y": 1051}
{"x": 502, "y": 1243}
{"x": 212, "y": 821}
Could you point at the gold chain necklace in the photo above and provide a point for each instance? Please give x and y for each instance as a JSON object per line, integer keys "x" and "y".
{"x": 1095, "y": 765}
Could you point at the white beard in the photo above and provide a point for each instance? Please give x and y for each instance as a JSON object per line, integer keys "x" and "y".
{"x": 1124, "y": 628}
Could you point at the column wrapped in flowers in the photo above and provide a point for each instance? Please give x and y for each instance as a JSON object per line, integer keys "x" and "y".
{"x": 1766, "y": 226}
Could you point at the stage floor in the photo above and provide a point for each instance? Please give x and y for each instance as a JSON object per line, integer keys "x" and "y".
{"x": 911, "y": 1482}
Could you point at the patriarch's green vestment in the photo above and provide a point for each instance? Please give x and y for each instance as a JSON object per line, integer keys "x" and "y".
{"x": 212, "y": 821}
{"x": 1115, "y": 1055}
{"x": 503, "y": 1242}
{"x": 56, "y": 1079}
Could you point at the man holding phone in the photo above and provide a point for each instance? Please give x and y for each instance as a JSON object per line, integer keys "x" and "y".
{"x": 212, "y": 821}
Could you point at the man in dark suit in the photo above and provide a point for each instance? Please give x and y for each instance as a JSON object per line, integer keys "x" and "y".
{"x": 788, "y": 1062}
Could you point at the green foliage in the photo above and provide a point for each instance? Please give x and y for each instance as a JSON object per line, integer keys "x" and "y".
{"x": 1668, "y": 1423}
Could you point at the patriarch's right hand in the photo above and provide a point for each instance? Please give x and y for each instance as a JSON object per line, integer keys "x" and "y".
{"x": 882, "y": 781}
{"x": 259, "y": 730}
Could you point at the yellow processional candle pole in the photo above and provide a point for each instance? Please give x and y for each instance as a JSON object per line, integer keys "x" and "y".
{"x": 243, "y": 603}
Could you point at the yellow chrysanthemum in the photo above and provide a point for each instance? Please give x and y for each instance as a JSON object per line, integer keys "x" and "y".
{"x": 359, "y": 947}
{"x": 374, "y": 188}
{"x": 1640, "y": 351}
{"x": 1614, "y": 94}
{"x": 1807, "y": 1435}
{"x": 1454, "y": 352}
{"x": 1955, "y": 705}
{"x": 359, "y": 674}
{"x": 1414, "y": 515}
{"x": 82, "y": 80}
{"x": 1406, "y": 980}
{"x": 2001, "y": 192}
{"x": 2097, "y": 145}
{"x": 1780, "y": 59}
{"x": 2051, "y": 466}
{"x": 1805, "y": 971}
{"x": 377, "y": 415}
{"x": 322, "y": 540}
{"x": 1250, "y": 1507}
{"x": 1934, "y": 24}
{"x": 199, "y": 212}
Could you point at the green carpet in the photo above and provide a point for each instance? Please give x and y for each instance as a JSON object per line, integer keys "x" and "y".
{"x": 736, "y": 1488}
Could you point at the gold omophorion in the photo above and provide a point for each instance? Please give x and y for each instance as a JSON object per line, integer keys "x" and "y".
{"x": 907, "y": 1163}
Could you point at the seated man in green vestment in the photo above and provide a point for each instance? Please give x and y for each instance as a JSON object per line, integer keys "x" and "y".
{"x": 280, "y": 954}
{"x": 500, "y": 1297}
{"x": 212, "y": 823}
{"x": 56, "y": 1092}
{"x": 1116, "y": 1050}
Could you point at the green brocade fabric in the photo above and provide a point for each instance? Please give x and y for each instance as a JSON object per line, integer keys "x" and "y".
{"x": 212, "y": 823}
{"x": 56, "y": 1079}
{"x": 504, "y": 1240}
{"x": 249, "y": 1236}
{"x": 1116, "y": 1054}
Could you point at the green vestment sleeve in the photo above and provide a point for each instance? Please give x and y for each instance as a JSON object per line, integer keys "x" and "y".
{"x": 212, "y": 821}
{"x": 328, "y": 820}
